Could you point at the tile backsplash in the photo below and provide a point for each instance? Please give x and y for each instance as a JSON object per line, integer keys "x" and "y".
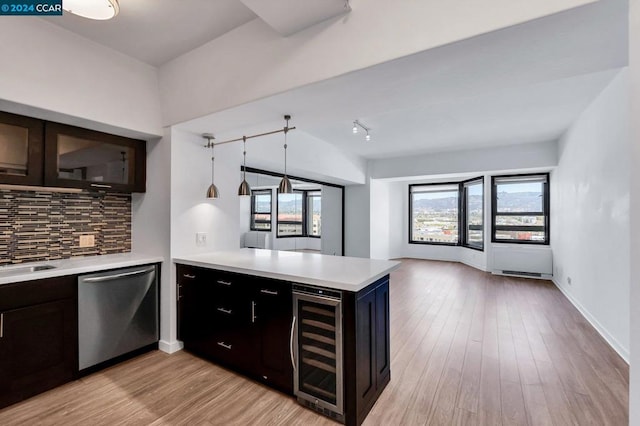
{"x": 36, "y": 226}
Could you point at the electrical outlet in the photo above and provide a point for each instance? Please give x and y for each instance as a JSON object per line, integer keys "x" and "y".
{"x": 569, "y": 280}
{"x": 201, "y": 239}
{"x": 87, "y": 240}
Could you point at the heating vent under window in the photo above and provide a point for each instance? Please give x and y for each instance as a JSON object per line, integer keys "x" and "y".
{"x": 525, "y": 261}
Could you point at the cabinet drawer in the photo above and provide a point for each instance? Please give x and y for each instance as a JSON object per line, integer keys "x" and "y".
{"x": 230, "y": 347}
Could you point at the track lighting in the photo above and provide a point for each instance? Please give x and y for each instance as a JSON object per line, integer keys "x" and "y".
{"x": 357, "y": 124}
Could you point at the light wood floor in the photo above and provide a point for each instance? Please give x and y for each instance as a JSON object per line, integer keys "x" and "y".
{"x": 467, "y": 347}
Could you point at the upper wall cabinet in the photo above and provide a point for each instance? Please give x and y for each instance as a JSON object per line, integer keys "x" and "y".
{"x": 81, "y": 158}
{"x": 21, "y": 149}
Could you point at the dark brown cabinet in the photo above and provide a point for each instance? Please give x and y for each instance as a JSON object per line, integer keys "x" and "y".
{"x": 273, "y": 311}
{"x": 21, "y": 149}
{"x": 82, "y": 158}
{"x": 38, "y": 337}
{"x": 367, "y": 363}
{"x": 237, "y": 320}
{"x": 245, "y": 322}
{"x": 35, "y": 152}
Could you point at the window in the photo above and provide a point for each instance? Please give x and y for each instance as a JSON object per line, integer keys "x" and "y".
{"x": 314, "y": 214}
{"x": 261, "y": 210}
{"x": 521, "y": 209}
{"x": 290, "y": 214}
{"x": 473, "y": 202}
{"x": 433, "y": 213}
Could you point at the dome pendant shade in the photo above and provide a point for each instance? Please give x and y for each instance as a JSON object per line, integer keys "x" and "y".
{"x": 93, "y": 9}
{"x": 244, "y": 189}
{"x": 285, "y": 186}
{"x": 212, "y": 192}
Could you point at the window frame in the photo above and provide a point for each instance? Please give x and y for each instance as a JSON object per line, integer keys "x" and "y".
{"x": 464, "y": 195}
{"x": 434, "y": 243}
{"x": 255, "y": 192}
{"x": 288, "y": 222}
{"x": 545, "y": 212}
{"x": 307, "y": 197}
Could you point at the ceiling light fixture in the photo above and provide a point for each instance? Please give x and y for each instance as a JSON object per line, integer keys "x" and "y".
{"x": 285, "y": 184}
{"x": 93, "y": 9}
{"x": 357, "y": 124}
{"x": 212, "y": 192}
{"x": 244, "y": 188}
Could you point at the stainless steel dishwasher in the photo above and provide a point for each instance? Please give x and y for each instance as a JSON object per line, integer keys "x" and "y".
{"x": 117, "y": 313}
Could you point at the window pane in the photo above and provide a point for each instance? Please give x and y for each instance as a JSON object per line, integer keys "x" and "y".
{"x": 520, "y": 235}
{"x": 520, "y": 197}
{"x": 285, "y": 229}
{"x": 14, "y": 150}
{"x": 434, "y": 216}
{"x": 290, "y": 214}
{"x": 475, "y": 214}
{"x": 262, "y": 203}
{"x": 262, "y": 226}
{"x": 314, "y": 211}
{"x": 520, "y": 221}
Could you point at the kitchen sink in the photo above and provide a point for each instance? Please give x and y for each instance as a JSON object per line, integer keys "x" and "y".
{"x": 17, "y": 270}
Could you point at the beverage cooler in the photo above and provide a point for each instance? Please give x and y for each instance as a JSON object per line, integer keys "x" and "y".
{"x": 316, "y": 349}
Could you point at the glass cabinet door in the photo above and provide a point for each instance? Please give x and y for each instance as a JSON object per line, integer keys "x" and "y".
{"x": 20, "y": 149}
{"x": 88, "y": 159}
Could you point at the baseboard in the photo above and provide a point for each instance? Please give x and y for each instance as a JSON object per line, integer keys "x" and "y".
{"x": 170, "y": 347}
{"x": 612, "y": 341}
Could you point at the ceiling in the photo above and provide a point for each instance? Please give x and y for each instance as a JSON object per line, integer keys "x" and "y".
{"x": 156, "y": 31}
{"x": 523, "y": 84}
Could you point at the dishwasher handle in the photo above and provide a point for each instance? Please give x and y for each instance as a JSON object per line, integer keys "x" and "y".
{"x": 117, "y": 276}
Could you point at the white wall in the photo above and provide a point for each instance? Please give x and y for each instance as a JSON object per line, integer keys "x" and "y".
{"x": 479, "y": 161}
{"x": 83, "y": 83}
{"x": 331, "y": 220}
{"x": 191, "y": 212}
{"x": 634, "y": 301}
{"x": 590, "y": 213}
{"x": 357, "y": 223}
{"x": 253, "y": 61}
{"x": 150, "y": 231}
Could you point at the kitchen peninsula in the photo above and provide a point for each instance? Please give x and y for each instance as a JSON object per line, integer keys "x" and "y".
{"x": 310, "y": 325}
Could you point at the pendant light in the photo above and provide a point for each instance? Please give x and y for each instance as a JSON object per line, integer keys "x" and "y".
{"x": 285, "y": 184}
{"x": 244, "y": 188}
{"x": 93, "y": 9}
{"x": 212, "y": 192}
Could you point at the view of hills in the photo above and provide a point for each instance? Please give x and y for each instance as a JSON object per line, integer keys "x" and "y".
{"x": 507, "y": 201}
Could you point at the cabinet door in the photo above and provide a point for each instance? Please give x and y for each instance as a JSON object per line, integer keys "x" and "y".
{"x": 81, "y": 158}
{"x": 273, "y": 314}
{"x": 38, "y": 347}
{"x": 383, "y": 347}
{"x": 366, "y": 347}
{"x": 194, "y": 316}
{"x": 21, "y": 149}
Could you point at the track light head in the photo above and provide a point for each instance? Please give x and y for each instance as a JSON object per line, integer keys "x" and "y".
{"x": 368, "y": 137}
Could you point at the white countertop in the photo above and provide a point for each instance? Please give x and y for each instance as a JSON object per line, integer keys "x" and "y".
{"x": 337, "y": 272}
{"x": 76, "y": 265}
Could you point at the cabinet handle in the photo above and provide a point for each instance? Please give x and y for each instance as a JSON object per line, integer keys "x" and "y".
{"x": 1, "y": 326}
{"x": 293, "y": 326}
{"x": 224, "y": 282}
{"x": 226, "y": 311}
{"x": 179, "y": 292}
{"x": 189, "y": 276}
{"x": 253, "y": 311}
{"x": 99, "y": 185}
{"x": 224, "y": 346}
{"x": 271, "y": 292}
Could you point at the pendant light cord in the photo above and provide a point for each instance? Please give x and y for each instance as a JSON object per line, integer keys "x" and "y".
{"x": 286, "y": 130}
{"x": 244, "y": 155}
{"x": 213, "y": 164}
